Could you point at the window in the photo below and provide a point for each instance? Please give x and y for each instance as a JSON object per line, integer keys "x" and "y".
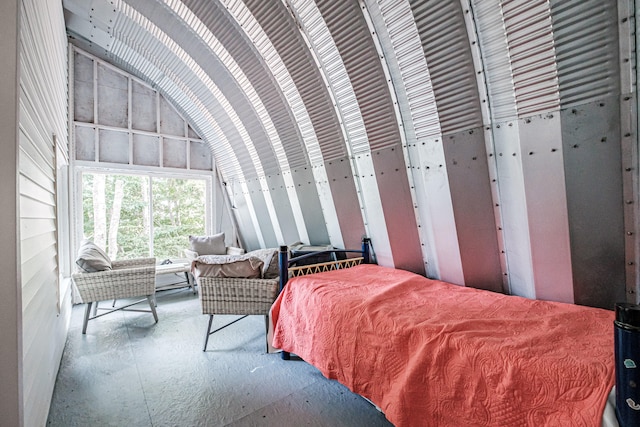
{"x": 135, "y": 216}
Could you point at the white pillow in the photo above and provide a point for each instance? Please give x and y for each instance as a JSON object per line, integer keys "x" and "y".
{"x": 91, "y": 258}
{"x": 208, "y": 245}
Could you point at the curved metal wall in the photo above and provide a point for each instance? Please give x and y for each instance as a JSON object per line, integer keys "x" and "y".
{"x": 488, "y": 143}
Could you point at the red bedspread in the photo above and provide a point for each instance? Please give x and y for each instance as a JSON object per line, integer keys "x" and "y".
{"x": 429, "y": 353}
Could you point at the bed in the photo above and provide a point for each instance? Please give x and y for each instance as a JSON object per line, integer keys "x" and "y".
{"x": 430, "y": 353}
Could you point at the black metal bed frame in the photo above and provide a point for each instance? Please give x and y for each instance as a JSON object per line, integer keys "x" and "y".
{"x": 285, "y": 265}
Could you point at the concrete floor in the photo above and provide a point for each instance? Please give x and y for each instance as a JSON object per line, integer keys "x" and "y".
{"x": 128, "y": 371}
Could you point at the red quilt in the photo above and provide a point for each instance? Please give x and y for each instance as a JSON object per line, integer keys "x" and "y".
{"x": 429, "y": 353}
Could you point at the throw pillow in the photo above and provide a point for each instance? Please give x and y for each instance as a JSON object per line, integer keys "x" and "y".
{"x": 208, "y": 245}
{"x": 270, "y": 258}
{"x": 91, "y": 258}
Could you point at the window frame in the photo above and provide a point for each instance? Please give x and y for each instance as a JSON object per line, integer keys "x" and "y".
{"x": 79, "y": 170}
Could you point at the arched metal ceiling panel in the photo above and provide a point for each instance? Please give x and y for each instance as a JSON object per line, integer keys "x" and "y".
{"x": 334, "y": 72}
{"x": 586, "y": 41}
{"x": 299, "y": 76}
{"x": 140, "y": 35}
{"x": 350, "y": 32}
{"x": 228, "y": 116}
{"x": 446, "y": 46}
{"x": 495, "y": 57}
{"x": 287, "y": 63}
{"x": 400, "y": 41}
{"x": 532, "y": 54}
{"x": 284, "y": 34}
{"x": 133, "y": 28}
{"x": 221, "y": 33}
{"x": 292, "y": 218}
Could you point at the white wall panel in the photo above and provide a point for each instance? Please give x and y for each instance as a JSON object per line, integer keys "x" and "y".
{"x": 545, "y": 191}
{"x": 43, "y": 114}
{"x": 513, "y": 208}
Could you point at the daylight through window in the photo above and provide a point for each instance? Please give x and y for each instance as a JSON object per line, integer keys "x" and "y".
{"x": 135, "y": 216}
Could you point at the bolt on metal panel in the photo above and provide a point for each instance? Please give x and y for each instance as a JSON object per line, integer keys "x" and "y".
{"x": 397, "y": 207}
{"x": 306, "y": 189}
{"x": 345, "y": 200}
{"x": 283, "y": 206}
{"x": 240, "y": 209}
{"x": 513, "y": 209}
{"x": 545, "y": 193}
{"x": 263, "y": 212}
{"x": 372, "y": 209}
{"x": 592, "y": 153}
{"x": 468, "y": 174}
{"x": 434, "y": 204}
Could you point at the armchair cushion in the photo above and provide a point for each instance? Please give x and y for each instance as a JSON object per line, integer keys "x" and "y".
{"x": 268, "y": 258}
{"x": 208, "y": 245}
{"x": 91, "y": 258}
{"x": 227, "y": 266}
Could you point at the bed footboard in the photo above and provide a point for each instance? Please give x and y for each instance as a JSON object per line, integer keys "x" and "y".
{"x": 287, "y": 270}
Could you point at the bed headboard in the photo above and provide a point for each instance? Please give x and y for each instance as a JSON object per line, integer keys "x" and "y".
{"x": 286, "y": 269}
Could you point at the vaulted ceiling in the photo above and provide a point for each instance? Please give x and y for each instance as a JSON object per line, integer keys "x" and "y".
{"x": 479, "y": 141}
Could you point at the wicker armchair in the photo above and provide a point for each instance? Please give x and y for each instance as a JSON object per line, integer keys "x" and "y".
{"x": 126, "y": 279}
{"x": 236, "y": 296}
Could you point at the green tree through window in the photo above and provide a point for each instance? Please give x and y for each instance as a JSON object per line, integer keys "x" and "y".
{"x": 117, "y": 214}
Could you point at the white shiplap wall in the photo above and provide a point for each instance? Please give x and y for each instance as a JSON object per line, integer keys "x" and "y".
{"x": 42, "y": 114}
